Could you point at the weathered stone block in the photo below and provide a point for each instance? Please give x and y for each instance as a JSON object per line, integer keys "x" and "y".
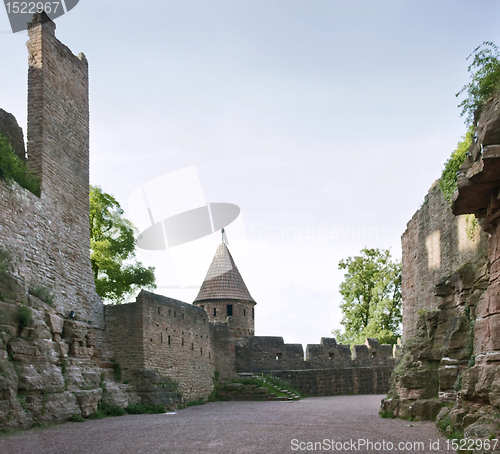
{"x": 74, "y": 329}
{"x": 88, "y": 400}
{"x": 55, "y": 323}
{"x": 447, "y": 377}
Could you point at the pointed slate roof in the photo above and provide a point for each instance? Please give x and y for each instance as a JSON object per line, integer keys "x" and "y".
{"x": 223, "y": 280}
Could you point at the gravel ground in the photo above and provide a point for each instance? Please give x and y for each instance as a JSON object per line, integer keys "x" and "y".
{"x": 238, "y": 427}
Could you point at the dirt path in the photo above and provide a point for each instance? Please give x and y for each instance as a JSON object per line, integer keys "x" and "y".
{"x": 239, "y": 427}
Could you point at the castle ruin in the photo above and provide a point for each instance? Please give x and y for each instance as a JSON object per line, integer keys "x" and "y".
{"x": 76, "y": 352}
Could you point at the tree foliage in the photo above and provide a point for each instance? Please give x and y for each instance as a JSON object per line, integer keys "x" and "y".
{"x": 371, "y": 293}
{"x": 448, "y": 180}
{"x": 485, "y": 79}
{"x": 14, "y": 169}
{"x": 112, "y": 244}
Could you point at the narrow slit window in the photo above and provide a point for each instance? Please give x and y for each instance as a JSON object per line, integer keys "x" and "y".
{"x": 215, "y": 311}
{"x": 168, "y": 340}
{"x": 229, "y": 310}
{"x": 244, "y": 312}
{"x": 253, "y": 313}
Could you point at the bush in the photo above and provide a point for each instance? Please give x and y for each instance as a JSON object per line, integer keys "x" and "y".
{"x": 14, "y": 169}
{"x": 77, "y": 418}
{"x": 24, "y": 317}
{"x": 117, "y": 372}
{"x": 111, "y": 410}
{"x": 448, "y": 180}
{"x": 140, "y": 409}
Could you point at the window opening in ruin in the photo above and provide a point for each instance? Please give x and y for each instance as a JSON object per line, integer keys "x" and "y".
{"x": 244, "y": 312}
{"x": 168, "y": 340}
{"x": 229, "y": 310}
{"x": 161, "y": 338}
{"x": 215, "y": 311}
{"x": 182, "y": 317}
{"x": 279, "y": 355}
{"x": 374, "y": 354}
{"x": 204, "y": 321}
{"x": 203, "y": 307}
{"x": 253, "y": 313}
{"x": 192, "y": 346}
{"x": 159, "y": 311}
{"x": 182, "y": 342}
{"x": 169, "y": 312}
{"x": 175, "y": 314}
{"x": 331, "y": 355}
{"x": 201, "y": 350}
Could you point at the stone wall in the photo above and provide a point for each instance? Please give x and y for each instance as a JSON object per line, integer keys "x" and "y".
{"x": 478, "y": 188}
{"x": 327, "y": 369}
{"x": 451, "y": 352}
{"x": 339, "y": 381}
{"x": 263, "y": 354}
{"x": 166, "y": 335}
{"x": 49, "y": 236}
{"x": 444, "y": 274}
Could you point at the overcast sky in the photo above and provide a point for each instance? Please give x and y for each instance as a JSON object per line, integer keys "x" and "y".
{"x": 325, "y": 121}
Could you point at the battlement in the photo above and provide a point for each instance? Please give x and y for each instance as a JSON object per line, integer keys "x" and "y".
{"x": 265, "y": 354}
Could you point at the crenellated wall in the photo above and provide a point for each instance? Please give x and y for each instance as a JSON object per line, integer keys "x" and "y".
{"x": 327, "y": 369}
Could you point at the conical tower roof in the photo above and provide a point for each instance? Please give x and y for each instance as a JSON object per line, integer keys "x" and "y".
{"x": 223, "y": 280}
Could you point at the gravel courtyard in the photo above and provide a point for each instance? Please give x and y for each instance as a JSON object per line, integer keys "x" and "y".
{"x": 320, "y": 424}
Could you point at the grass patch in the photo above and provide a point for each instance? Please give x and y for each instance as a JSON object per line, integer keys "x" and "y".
{"x": 12, "y": 168}
{"x": 193, "y": 403}
{"x": 117, "y": 370}
{"x": 77, "y": 418}
{"x": 387, "y": 414}
{"x": 23, "y": 317}
{"x": 140, "y": 409}
{"x": 42, "y": 293}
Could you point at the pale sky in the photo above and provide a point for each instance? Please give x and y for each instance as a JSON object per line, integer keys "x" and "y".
{"x": 325, "y": 121}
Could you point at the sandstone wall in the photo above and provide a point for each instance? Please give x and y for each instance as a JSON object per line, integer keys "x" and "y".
{"x": 435, "y": 245}
{"x": 166, "y": 335}
{"x": 327, "y": 369}
{"x": 339, "y": 381}
{"x": 262, "y": 354}
{"x": 49, "y": 236}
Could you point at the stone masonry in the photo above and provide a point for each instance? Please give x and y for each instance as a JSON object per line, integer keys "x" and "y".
{"x": 62, "y": 352}
{"x": 450, "y": 363}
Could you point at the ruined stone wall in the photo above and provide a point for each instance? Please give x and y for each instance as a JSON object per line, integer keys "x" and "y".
{"x": 435, "y": 245}
{"x": 168, "y": 336}
{"x": 327, "y": 369}
{"x": 48, "y": 237}
{"x": 262, "y": 354}
{"x": 339, "y": 381}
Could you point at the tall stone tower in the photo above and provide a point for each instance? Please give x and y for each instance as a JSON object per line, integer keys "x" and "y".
{"x": 225, "y": 297}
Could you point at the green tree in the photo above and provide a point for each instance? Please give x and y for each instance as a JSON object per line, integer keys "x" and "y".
{"x": 485, "y": 79}
{"x": 112, "y": 250}
{"x": 371, "y": 298}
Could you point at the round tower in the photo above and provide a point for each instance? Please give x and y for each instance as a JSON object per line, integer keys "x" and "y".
{"x": 225, "y": 297}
